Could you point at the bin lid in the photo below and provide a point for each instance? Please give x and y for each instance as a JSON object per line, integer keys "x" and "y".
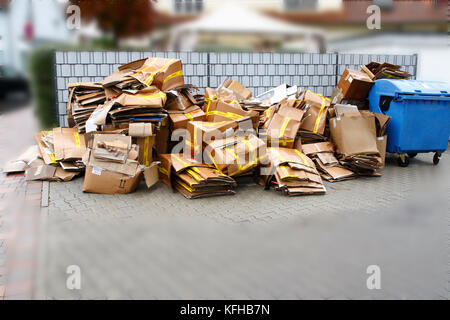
{"x": 418, "y": 87}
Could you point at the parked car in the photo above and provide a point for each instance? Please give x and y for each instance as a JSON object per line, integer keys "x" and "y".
{"x": 13, "y": 84}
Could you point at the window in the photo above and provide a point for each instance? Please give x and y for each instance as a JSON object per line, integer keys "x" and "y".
{"x": 188, "y": 6}
{"x": 300, "y": 4}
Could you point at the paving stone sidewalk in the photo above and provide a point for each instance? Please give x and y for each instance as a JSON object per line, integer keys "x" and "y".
{"x": 155, "y": 244}
{"x": 20, "y": 210}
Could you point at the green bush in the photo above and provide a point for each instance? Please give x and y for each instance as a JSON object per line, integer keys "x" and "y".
{"x": 43, "y": 86}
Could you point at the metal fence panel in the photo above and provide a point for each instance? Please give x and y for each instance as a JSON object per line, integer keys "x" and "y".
{"x": 257, "y": 71}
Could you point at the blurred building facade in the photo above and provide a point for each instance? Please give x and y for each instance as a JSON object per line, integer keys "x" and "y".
{"x": 26, "y": 24}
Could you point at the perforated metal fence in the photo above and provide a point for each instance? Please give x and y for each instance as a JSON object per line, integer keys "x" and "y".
{"x": 258, "y": 71}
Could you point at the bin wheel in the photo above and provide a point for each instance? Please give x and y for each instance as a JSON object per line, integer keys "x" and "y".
{"x": 412, "y": 154}
{"x": 436, "y": 158}
{"x": 403, "y": 160}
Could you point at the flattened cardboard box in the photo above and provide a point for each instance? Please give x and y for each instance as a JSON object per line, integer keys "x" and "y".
{"x": 98, "y": 180}
{"x": 316, "y": 115}
{"x": 221, "y": 111}
{"x": 166, "y": 74}
{"x": 353, "y": 135}
{"x": 69, "y": 144}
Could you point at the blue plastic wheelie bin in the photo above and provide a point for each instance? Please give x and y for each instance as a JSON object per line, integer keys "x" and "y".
{"x": 420, "y": 112}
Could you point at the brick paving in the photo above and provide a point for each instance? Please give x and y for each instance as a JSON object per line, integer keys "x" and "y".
{"x": 155, "y": 244}
{"x": 19, "y": 209}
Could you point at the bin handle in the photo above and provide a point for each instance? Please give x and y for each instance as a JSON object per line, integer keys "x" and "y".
{"x": 399, "y": 96}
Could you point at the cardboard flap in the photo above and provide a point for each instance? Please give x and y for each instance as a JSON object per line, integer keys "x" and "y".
{"x": 181, "y": 162}
{"x": 44, "y": 172}
{"x": 68, "y": 144}
{"x": 354, "y": 135}
{"x": 279, "y": 156}
{"x": 148, "y": 97}
{"x": 314, "y": 148}
{"x": 151, "y": 174}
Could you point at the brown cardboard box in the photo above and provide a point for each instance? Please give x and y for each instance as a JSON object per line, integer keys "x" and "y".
{"x": 127, "y": 168}
{"x": 221, "y": 111}
{"x": 68, "y": 144}
{"x": 354, "y": 84}
{"x": 111, "y": 147}
{"x": 198, "y": 131}
{"x": 236, "y": 155}
{"x": 284, "y": 127}
{"x": 242, "y": 92}
{"x": 148, "y": 97}
{"x": 354, "y": 134}
{"x": 164, "y": 73}
{"x": 381, "y": 146}
{"x": 180, "y": 120}
{"x": 316, "y": 108}
{"x": 98, "y": 180}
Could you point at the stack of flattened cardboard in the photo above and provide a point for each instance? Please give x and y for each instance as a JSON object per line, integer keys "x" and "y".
{"x": 385, "y": 70}
{"x": 143, "y": 106}
{"x": 314, "y": 122}
{"x": 291, "y": 172}
{"x": 354, "y": 135}
{"x": 322, "y": 153}
{"x": 237, "y": 155}
{"x": 84, "y": 98}
{"x": 194, "y": 179}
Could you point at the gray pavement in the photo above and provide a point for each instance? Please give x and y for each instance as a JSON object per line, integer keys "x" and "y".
{"x": 155, "y": 244}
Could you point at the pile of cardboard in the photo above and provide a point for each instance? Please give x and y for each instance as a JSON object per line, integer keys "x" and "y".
{"x": 194, "y": 179}
{"x": 144, "y": 121}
